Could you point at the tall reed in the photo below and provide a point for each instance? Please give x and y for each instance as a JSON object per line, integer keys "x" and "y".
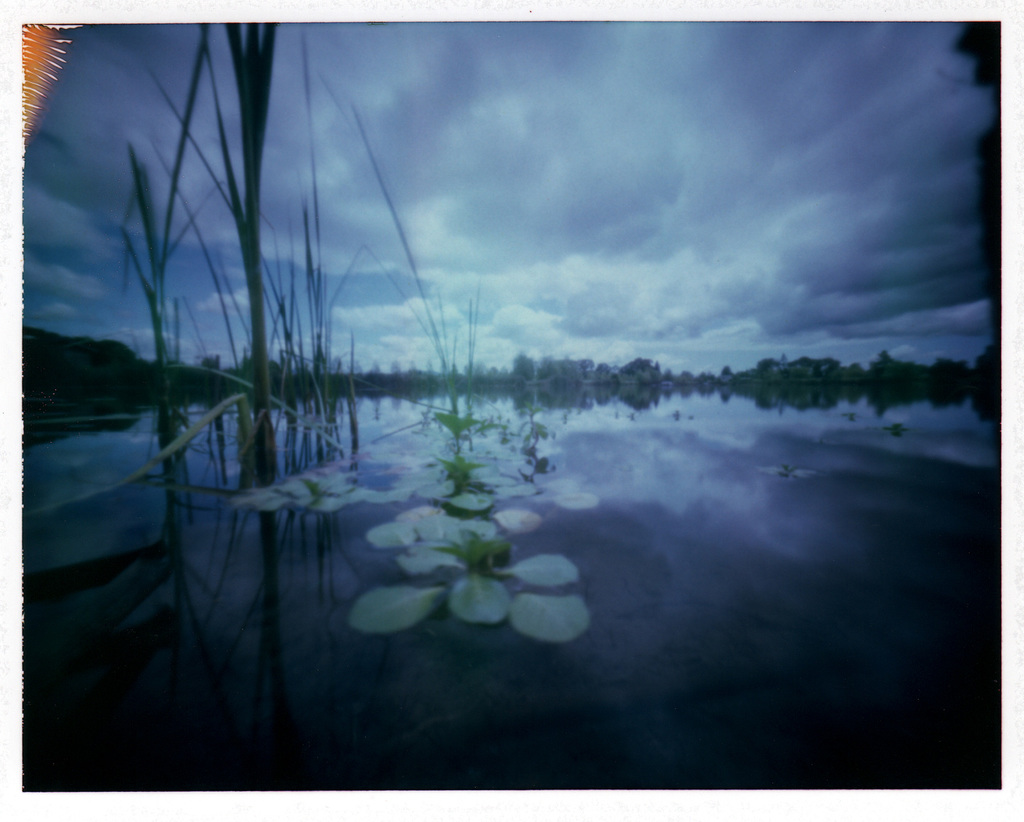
{"x": 436, "y": 330}
{"x": 157, "y": 235}
{"x": 252, "y": 57}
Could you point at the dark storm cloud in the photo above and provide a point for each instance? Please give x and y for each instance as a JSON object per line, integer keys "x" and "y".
{"x": 629, "y": 183}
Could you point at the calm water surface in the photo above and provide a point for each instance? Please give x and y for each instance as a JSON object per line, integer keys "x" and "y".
{"x": 778, "y": 598}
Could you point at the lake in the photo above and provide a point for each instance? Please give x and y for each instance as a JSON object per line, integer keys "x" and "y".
{"x": 772, "y": 596}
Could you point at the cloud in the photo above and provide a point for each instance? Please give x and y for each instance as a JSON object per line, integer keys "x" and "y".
{"x": 608, "y": 190}
{"x": 212, "y": 303}
{"x": 969, "y": 319}
{"x": 62, "y": 282}
{"x": 53, "y": 312}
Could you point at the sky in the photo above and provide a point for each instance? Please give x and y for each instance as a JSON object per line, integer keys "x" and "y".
{"x": 700, "y": 194}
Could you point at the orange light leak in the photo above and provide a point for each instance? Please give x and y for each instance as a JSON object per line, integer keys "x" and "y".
{"x": 42, "y": 58}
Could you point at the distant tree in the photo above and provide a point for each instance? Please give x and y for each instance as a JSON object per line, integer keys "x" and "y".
{"x": 546, "y": 368}
{"x": 642, "y": 370}
{"x": 523, "y": 367}
{"x": 827, "y": 368}
{"x": 853, "y": 372}
{"x": 767, "y": 368}
{"x": 948, "y": 371}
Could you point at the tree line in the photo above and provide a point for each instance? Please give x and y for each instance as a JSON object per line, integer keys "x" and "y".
{"x": 54, "y": 364}
{"x": 883, "y": 368}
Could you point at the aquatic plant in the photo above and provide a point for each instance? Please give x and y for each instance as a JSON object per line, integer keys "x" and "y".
{"x": 532, "y": 432}
{"x": 159, "y": 240}
{"x": 468, "y": 563}
{"x": 177, "y": 446}
{"x": 253, "y": 60}
{"x": 435, "y": 329}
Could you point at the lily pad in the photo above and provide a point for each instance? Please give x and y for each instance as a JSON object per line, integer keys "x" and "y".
{"x": 545, "y": 569}
{"x": 329, "y": 503}
{"x": 392, "y": 535}
{"x": 517, "y": 520}
{"x": 386, "y": 610}
{"x": 576, "y": 502}
{"x": 479, "y": 599}
{"x": 373, "y": 495}
{"x": 472, "y": 502}
{"x": 444, "y": 528}
{"x": 416, "y": 514}
{"x": 422, "y": 560}
{"x": 435, "y": 490}
{"x": 548, "y": 618}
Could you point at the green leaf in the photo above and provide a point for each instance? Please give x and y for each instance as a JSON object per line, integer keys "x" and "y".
{"x": 422, "y": 560}
{"x": 436, "y": 490}
{"x": 460, "y": 466}
{"x": 549, "y": 619}
{"x": 457, "y": 425}
{"x": 386, "y": 610}
{"x": 392, "y": 535}
{"x": 479, "y": 599}
{"x": 483, "y": 528}
{"x": 517, "y": 520}
{"x": 476, "y": 549}
{"x": 328, "y": 503}
{"x": 417, "y": 514}
{"x": 472, "y": 502}
{"x": 545, "y": 569}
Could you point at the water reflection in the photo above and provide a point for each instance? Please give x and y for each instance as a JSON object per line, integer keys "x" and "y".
{"x": 836, "y": 628}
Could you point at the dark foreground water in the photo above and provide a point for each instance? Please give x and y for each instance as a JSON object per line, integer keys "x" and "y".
{"x": 777, "y": 599}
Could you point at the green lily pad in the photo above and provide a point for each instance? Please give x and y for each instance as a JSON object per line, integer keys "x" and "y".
{"x": 373, "y": 495}
{"x": 548, "y": 618}
{"x": 422, "y": 560}
{"x": 444, "y": 528}
{"x": 416, "y": 514}
{"x": 336, "y": 483}
{"x": 299, "y": 489}
{"x": 472, "y": 502}
{"x": 392, "y": 535}
{"x": 329, "y": 503}
{"x": 435, "y": 490}
{"x": 545, "y": 569}
{"x": 386, "y": 610}
{"x": 475, "y": 549}
{"x": 479, "y": 599}
{"x": 576, "y": 502}
{"x": 517, "y": 520}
